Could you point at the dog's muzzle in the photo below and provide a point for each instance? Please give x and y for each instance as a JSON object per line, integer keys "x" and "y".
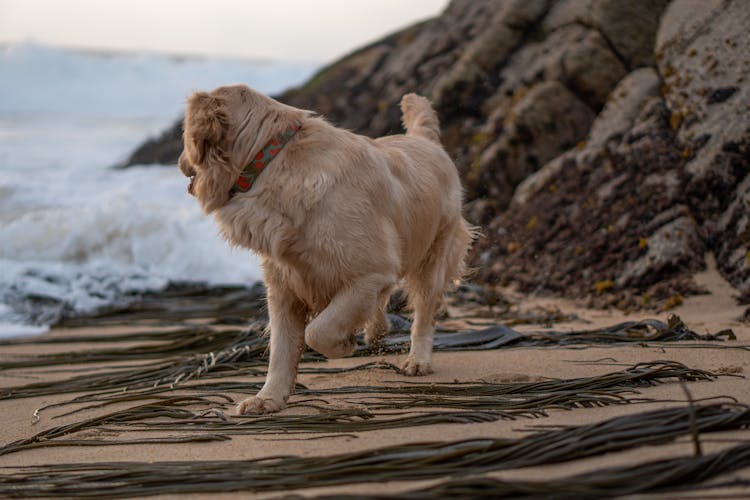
{"x": 188, "y": 171}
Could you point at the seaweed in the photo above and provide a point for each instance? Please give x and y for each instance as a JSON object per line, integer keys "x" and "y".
{"x": 178, "y": 302}
{"x": 239, "y": 352}
{"x": 473, "y": 403}
{"x": 169, "y": 408}
{"x": 413, "y": 461}
{"x": 187, "y": 341}
{"x": 673, "y": 475}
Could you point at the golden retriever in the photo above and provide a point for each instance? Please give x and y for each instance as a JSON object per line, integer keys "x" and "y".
{"x": 337, "y": 218}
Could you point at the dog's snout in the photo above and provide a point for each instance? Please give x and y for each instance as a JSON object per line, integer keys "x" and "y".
{"x": 185, "y": 167}
{"x": 187, "y": 170}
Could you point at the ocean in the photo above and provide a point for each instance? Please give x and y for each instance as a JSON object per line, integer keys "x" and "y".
{"x": 75, "y": 233}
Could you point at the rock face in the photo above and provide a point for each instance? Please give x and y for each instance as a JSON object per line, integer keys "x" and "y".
{"x": 603, "y": 143}
{"x": 606, "y": 216}
{"x": 704, "y": 60}
{"x": 163, "y": 150}
{"x": 661, "y": 178}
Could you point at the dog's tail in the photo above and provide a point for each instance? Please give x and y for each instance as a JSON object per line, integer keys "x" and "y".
{"x": 419, "y": 118}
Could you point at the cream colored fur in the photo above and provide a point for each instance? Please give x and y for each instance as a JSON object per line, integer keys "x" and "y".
{"x": 338, "y": 220}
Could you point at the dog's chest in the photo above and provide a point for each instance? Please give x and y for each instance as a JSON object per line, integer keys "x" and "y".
{"x": 249, "y": 222}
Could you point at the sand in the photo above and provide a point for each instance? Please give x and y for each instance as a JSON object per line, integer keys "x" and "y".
{"x": 706, "y": 313}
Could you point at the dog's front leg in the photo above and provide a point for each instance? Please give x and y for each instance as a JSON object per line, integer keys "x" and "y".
{"x": 287, "y": 315}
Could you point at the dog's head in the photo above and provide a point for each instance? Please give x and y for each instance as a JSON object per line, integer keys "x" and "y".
{"x": 222, "y": 130}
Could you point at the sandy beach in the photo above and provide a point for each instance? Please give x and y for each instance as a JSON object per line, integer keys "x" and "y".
{"x": 102, "y": 442}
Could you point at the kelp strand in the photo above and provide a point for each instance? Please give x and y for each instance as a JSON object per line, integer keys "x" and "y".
{"x": 639, "y": 375}
{"x": 490, "y": 403}
{"x": 393, "y": 463}
{"x": 247, "y": 350}
{"x": 673, "y": 475}
{"x": 252, "y": 344}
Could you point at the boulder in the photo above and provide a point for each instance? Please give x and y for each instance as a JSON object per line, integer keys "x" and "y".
{"x": 476, "y": 68}
{"x": 703, "y": 54}
{"x": 629, "y": 27}
{"x": 607, "y": 220}
{"x": 163, "y": 150}
{"x": 607, "y": 130}
{"x": 661, "y": 178}
{"x": 674, "y": 244}
{"x": 546, "y": 121}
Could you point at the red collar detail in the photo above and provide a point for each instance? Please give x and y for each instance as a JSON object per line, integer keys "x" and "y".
{"x": 263, "y": 158}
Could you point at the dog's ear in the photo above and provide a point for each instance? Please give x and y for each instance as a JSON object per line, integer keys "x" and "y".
{"x": 205, "y": 123}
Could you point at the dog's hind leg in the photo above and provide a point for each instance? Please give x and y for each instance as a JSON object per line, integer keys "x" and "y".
{"x": 425, "y": 298}
{"x": 443, "y": 263}
{"x": 287, "y": 316}
{"x": 332, "y": 332}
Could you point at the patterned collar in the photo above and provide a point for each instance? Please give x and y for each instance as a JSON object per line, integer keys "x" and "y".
{"x": 263, "y": 158}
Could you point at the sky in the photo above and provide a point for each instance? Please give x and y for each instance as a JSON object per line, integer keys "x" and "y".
{"x": 289, "y": 30}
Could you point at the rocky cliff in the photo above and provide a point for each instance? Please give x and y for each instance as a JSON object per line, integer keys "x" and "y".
{"x": 603, "y": 144}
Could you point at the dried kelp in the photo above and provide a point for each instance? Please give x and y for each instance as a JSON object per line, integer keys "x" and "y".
{"x": 341, "y": 420}
{"x": 194, "y": 340}
{"x": 648, "y": 330}
{"x": 673, "y": 475}
{"x": 638, "y": 375}
{"x": 401, "y": 462}
{"x": 217, "y": 426}
{"x": 249, "y": 349}
{"x": 161, "y": 335}
{"x": 139, "y": 392}
{"x": 164, "y": 376}
{"x": 169, "y": 408}
{"x": 473, "y": 402}
{"x": 139, "y": 378}
{"x": 234, "y": 305}
{"x": 565, "y": 393}
{"x": 181, "y": 301}
{"x": 253, "y": 344}
{"x": 476, "y": 403}
{"x": 571, "y": 393}
{"x": 243, "y": 353}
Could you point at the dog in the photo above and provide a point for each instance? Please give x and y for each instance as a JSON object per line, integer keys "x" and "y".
{"x": 338, "y": 219}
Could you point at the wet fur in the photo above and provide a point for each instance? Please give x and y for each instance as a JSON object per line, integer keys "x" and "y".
{"x": 338, "y": 219}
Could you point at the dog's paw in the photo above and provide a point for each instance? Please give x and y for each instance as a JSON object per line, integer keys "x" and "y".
{"x": 338, "y": 348}
{"x": 374, "y": 340}
{"x": 375, "y": 345}
{"x": 342, "y": 348}
{"x": 259, "y": 405}
{"x": 375, "y": 331}
{"x": 414, "y": 367}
